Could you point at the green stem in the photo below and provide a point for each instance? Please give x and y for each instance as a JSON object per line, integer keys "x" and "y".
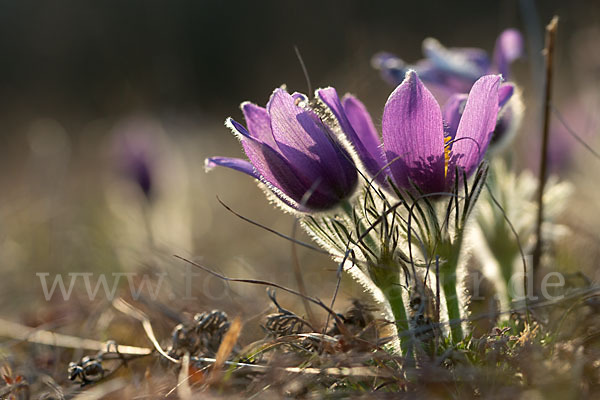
{"x": 450, "y": 251}
{"x": 387, "y": 279}
{"x": 449, "y": 286}
{"x": 394, "y": 296}
{"x": 386, "y": 276}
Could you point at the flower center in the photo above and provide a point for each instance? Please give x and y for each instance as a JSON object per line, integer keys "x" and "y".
{"x": 447, "y": 140}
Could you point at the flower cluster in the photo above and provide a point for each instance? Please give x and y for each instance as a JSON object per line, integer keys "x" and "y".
{"x": 300, "y": 158}
{"x": 379, "y": 194}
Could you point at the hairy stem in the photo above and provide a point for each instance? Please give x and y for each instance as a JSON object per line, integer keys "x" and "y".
{"x": 454, "y": 319}
{"x": 386, "y": 276}
{"x": 450, "y": 252}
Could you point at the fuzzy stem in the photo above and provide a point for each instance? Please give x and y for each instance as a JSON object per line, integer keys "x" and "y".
{"x": 386, "y": 277}
{"x": 394, "y": 296}
{"x": 450, "y": 253}
{"x": 449, "y": 286}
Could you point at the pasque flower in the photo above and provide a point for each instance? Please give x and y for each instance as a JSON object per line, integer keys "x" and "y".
{"x": 136, "y": 153}
{"x": 293, "y": 152}
{"x": 423, "y": 144}
{"x": 454, "y": 69}
{"x": 449, "y": 71}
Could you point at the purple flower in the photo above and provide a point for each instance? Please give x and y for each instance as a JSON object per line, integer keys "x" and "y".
{"x": 293, "y": 152}
{"x": 135, "y": 153}
{"x": 422, "y": 143}
{"x": 454, "y": 69}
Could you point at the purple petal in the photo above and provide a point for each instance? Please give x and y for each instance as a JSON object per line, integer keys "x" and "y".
{"x": 258, "y": 122}
{"x": 305, "y": 142}
{"x": 356, "y": 123}
{"x": 372, "y": 149}
{"x": 270, "y": 165}
{"x": 477, "y": 124}
{"x": 452, "y": 111}
{"x": 509, "y": 47}
{"x": 233, "y": 163}
{"x": 299, "y": 96}
{"x": 505, "y": 93}
{"x": 413, "y": 136}
{"x": 247, "y": 168}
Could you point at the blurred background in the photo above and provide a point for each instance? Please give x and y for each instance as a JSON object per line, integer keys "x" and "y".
{"x": 87, "y": 85}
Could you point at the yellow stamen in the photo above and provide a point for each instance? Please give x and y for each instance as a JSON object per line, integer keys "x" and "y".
{"x": 447, "y": 140}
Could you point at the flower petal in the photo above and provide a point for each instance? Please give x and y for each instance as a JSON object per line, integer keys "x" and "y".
{"x": 505, "y": 93}
{"x": 477, "y": 124}
{"x": 509, "y": 47}
{"x": 247, "y": 168}
{"x": 452, "y": 111}
{"x": 307, "y": 144}
{"x": 413, "y": 136}
{"x": 258, "y": 122}
{"x": 372, "y": 148}
{"x": 271, "y": 166}
{"x": 233, "y": 163}
{"x": 356, "y": 124}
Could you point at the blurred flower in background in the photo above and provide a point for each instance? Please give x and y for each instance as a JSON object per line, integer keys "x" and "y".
{"x": 453, "y": 69}
{"x": 150, "y": 197}
{"x": 135, "y": 152}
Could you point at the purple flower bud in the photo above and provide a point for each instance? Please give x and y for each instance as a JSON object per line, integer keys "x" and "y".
{"x": 293, "y": 152}
{"x": 419, "y": 147}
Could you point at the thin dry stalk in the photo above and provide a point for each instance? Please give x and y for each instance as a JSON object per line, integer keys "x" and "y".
{"x": 551, "y": 30}
{"x": 24, "y": 333}
{"x": 133, "y": 312}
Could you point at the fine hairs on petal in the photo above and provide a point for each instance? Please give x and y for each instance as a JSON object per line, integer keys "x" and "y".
{"x": 229, "y": 124}
{"x": 274, "y": 195}
{"x": 209, "y": 165}
{"x": 277, "y": 198}
{"x": 329, "y": 119}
